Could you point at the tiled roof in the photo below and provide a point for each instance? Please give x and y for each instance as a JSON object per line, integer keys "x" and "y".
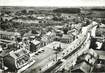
{"x": 101, "y": 54}
{"x": 35, "y": 42}
{"x": 84, "y": 67}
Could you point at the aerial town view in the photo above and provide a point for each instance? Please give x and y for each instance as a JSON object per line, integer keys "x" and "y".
{"x": 52, "y": 39}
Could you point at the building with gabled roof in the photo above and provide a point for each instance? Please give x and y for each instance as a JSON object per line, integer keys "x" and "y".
{"x": 9, "y": 35}
{"x": 86, "y": 62}
{"x": 100, "y": 63}
{"x": 83, "y": 67}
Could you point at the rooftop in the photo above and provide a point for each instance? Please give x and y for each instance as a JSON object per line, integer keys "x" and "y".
{"x": 9, "y": 33}
{"x": 35, "y": 42}
{"x": 4, "y": 53}
{"x": 18, "y": 53}
{"x": 101, "y": 54}
{"x": 84, "y": 67}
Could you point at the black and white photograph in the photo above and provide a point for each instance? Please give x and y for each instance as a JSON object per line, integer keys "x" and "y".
{"x": 52, "y": 36}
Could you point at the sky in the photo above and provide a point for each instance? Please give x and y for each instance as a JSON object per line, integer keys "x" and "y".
{"x": 52, "y": 3}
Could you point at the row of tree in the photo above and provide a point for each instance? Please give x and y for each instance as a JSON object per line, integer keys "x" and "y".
{"x": 67, "y": 10}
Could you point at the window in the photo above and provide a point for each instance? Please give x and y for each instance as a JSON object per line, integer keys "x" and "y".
{"x": 63, "y": 53}
{"x": 24, "y": 51}
{"x": 17, "y": 54}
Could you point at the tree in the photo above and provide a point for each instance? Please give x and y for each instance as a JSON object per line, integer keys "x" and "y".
{"x": 24, "y": 12}
{"x": 93, "y": 44}
{"x": 67, "y": 10}
{"x": 103, "y": 46}
{"x": 65, "y": 30}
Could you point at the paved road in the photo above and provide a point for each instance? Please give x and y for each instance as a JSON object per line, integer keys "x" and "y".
{"x": 48, "y": 57}
{"x": 71, "y": 60}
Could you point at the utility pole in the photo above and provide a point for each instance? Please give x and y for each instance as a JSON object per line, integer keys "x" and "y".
{"x": 56, "y": 55}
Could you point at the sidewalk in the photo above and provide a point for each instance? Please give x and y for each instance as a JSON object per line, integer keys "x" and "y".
{"x": 1, "y": 71}
{"x": 25, "y": 67}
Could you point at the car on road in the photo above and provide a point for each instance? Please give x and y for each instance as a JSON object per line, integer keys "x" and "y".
{"x": 36, "y": 53}
{"x": 42, "y": 50}
{"x": 39, "y": 52}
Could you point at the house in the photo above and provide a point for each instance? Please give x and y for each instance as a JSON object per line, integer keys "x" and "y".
{"x": 86, "y": 62}
{"x": 31, "y": 33}
{"x": 58, "y": 27}
{"x": 3, "y": 54}
{"x": 25, "y": 44}
{"x": 9, "y": 35}
{"x": 100, "y": 63}
{"x": 34, "y": 45}
{"x": 101, "y": 54}
{"x": 66, "y": 38}
{"x": 17, "y": 59}
{"x": 1, "y": 48}
{"x": 48, "y": 37}
{"x": 25, "y": 21}
{"x": 83, "y": 67}
{"x": 74, "y": 33}
{"x": 7, "y": 18}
